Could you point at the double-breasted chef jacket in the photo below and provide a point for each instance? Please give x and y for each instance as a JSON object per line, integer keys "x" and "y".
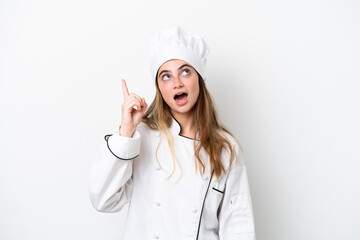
{"x": 186, "y": 206}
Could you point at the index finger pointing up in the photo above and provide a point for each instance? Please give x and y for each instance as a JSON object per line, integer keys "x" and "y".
{"x": 125, "y": 90}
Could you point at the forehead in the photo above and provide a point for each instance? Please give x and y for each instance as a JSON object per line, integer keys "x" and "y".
{"x": 172, "y": 64}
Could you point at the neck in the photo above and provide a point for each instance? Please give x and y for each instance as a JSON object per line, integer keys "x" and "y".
{"x": 187, "y": 123}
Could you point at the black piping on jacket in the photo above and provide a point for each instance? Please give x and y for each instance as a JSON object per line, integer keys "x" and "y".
{"x": 106, "y": 137}
{"x": 202, "y": 208}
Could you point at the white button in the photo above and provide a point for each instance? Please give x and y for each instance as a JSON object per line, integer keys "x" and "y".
{"x": 158, "y": 204}
{"x": 194, "y": 210}
{"x": 157, "y": 167}
{"x": 156, "y": 236}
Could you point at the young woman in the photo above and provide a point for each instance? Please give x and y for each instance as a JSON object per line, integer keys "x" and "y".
{"x": 179, "y": 169}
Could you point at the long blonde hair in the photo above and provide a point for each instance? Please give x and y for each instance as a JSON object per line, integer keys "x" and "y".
{"x": 158, "y": 117}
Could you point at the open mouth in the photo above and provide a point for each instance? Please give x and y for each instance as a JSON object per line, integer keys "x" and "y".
{"x": 180, "y": 97}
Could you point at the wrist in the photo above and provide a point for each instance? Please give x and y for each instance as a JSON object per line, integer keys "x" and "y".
{"x": 125, "y": 132}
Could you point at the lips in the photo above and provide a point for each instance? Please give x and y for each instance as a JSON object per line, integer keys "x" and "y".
{"x": 181, "y": 98}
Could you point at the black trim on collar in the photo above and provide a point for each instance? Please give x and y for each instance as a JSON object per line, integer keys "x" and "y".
{"x": 180, "y": 129}
{"x": 106, "y": 137}
{"x": 186, "y": 137}
{"x": 202, "y": 208}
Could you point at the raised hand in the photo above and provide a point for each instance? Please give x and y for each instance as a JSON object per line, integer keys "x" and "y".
{"x": 131, "y": 117}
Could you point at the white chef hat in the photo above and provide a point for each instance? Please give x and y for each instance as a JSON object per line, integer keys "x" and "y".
{"x": 175, "y": 43}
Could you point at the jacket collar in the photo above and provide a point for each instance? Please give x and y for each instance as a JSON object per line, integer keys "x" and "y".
{"x": 175, "y": 129}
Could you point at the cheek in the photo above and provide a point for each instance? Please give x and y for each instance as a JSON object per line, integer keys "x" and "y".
{"x": 196, "y": 89}
{"x": 197, "y": 94}
{"x": 165, "y": 92}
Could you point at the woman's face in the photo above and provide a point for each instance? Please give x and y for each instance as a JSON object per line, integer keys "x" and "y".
{"x": 179, "y": 85}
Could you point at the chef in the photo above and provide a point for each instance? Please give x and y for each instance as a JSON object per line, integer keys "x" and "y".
{"x": 179, "y": 169}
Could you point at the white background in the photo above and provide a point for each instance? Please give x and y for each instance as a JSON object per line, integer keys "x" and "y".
{"x": 284, "y": 76}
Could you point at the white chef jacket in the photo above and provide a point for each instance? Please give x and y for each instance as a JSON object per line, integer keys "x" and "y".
{"x": 186, "y": 206}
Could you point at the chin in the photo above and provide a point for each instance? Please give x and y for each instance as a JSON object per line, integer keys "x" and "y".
{"x": 182, "y": 110}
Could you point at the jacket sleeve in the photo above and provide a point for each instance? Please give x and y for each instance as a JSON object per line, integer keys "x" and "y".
{"x": 110, "y": 185}
{"x": 236, "y": 220}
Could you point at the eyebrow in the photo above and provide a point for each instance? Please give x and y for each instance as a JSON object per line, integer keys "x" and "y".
{"x": 182, "y": 66}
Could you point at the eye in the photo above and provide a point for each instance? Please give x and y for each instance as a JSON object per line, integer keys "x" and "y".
{"x": 186, "y": 71}
{"x": 165, "y": 77}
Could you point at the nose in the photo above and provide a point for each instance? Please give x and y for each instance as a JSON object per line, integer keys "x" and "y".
{"x": 177, "y": 82}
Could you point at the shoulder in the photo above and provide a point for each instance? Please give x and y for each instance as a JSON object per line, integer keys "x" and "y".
{"x": 232, "y": 140}
{"x": 142, "y": 126}
{"x": 145, "y": 130}
{"x": 234, "y": 143}
{"x": 236, "y": 158}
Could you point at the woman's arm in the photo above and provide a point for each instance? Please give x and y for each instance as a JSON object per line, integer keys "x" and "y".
{"x": 111, "y": 172}
{"x": 236, "y": 220}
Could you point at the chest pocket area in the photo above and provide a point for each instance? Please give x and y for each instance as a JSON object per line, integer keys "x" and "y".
{"x": 212, "y": 204}
{"x": 214, "y": 197}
